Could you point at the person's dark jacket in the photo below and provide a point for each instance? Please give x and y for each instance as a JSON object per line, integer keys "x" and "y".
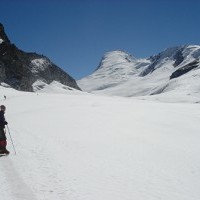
{"x": 3, "y": 122}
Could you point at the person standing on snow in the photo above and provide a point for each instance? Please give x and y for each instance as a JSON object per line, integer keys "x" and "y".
{"x": 3, "y": 122}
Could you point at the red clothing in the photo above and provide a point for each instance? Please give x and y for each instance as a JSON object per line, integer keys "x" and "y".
{"x": 3, "y": 143}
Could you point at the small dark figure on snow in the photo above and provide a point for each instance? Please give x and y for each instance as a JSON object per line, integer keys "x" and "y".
{"x": 4, "y": 97}
{"x": 3, "y": 122}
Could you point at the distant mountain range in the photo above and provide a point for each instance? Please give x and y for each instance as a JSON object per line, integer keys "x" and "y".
{"x": 29, "y": 71}
{"x": 175, "y": 70}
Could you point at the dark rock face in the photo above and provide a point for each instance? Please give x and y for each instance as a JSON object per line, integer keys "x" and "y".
{"x": 185, "y": 69}
{"x": 3, "y": 35}
{"x": 178, "y": 57}
{"x": 175, "y": 53}
{"x": 151, "y": 67}
{"x": 20, "y": 69}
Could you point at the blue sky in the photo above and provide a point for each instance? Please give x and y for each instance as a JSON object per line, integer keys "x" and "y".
{"x": 75, "y": 34}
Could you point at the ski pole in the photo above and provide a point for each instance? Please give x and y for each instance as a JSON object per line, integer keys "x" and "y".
{"x": 11, "y": 139}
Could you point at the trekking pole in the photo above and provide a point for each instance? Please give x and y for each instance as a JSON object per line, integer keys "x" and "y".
{"x": 11, "y": 139}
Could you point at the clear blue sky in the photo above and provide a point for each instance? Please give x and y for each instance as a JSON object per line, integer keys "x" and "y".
{"x": 75, "y": 34}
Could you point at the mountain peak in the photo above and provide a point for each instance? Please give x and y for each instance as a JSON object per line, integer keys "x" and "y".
{"x": 22, "y": 70}
{"x": 3, "y": 36}
{"x": 116, "y": 57}
{"x": 174, "y": 69}
{"x": 120, "y": 54}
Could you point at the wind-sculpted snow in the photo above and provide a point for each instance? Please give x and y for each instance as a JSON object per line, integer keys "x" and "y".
{"x": 78, "y": 146}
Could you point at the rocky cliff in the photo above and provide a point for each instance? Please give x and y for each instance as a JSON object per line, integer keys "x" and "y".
{"x": 21, "y": 70}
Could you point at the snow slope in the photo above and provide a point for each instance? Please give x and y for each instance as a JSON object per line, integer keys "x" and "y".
{"x": 40, "y": 86}
{"x": 120, "y": 74}
{"x": 78, "y": 146}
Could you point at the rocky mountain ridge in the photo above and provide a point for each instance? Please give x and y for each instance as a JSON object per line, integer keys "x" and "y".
{"x": 21, "y": 70}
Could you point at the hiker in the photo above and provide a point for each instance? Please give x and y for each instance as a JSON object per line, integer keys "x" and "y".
{"x": 3, "y": 122}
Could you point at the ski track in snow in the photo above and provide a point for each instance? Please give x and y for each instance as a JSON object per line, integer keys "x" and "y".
{"x": 13, "y": 183}
{"x": 45, "y": 171}
{"x": 86, "y": 147}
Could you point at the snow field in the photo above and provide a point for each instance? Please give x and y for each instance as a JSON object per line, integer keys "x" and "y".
{"x": 86, "y": 147}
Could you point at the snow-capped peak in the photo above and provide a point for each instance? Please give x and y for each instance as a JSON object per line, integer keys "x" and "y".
{"x": 115, "y": 58}
{"x": 115, "y": 68}
{"x": 121, "y": 74}
{"x": 192, "y": 51}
